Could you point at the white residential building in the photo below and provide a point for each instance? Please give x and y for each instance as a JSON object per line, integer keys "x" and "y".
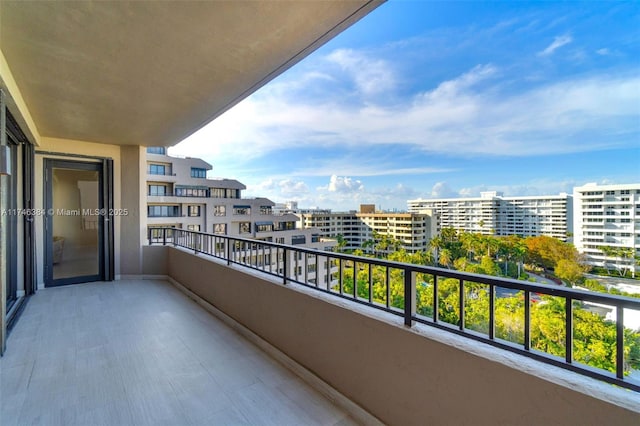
{"x": 179, "y": 195}
{"x": 607, "y": 225}
{"x": 494, "y": 214}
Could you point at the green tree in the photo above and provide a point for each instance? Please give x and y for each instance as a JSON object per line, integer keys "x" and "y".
{"x": 546, "y": 251}
{"x": 570, "y": 271}
{"x": 445, "y": 258}
{"x": 342, "y": 243}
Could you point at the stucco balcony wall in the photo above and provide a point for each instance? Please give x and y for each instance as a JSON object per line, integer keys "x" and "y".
{"x": 401, "y": 375}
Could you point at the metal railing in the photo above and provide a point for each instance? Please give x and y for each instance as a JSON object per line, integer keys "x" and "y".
{"x": 399, "y": 289}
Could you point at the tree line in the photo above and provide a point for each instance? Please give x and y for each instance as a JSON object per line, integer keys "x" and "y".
{"x": 594, "y": 337}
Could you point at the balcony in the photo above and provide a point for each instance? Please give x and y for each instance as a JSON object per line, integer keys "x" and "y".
{"x": 141, "y": 352}
{"x": 419, "y": 361}
{"x": 115, "y": 353}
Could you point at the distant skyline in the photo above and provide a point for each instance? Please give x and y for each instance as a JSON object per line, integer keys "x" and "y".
{"x": 443, "y": 99}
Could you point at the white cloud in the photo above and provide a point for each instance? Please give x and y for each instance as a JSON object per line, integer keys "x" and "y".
{"x": 278, "y": 189}
{"x": 442, "y": 190}
{"x": 344, "y": 184}
{"x": 292, "y": 187}
{"x": 557, "y": 43}
{"x": 352, "y": 166}
{"x": 370, "y": 75}
{"x": 452, "y": 88}
{"x": 603, "y": 52}
{"x": 467, "y": 115}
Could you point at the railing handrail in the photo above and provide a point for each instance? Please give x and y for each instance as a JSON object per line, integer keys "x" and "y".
{"x": 409, "y": 311}
{"x": 513, "y": 284}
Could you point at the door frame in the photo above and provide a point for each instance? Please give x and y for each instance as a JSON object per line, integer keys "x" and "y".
{"x": 104, "y": 167}
{"x": 20, "y": 224}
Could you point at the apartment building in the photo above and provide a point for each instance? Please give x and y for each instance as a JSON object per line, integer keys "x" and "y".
{"x": 179, "y": 195}
{"x": 607, "y": 225}
{"x": 494, "y": 214}
{"x": 413, "y": 230}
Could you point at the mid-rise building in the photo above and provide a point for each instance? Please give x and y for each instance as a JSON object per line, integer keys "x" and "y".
{"x": 494, "y": 214}
{"x": 179, "y": 195}
{"x": 412, "y": 230}
{"x": 607, "y": 225}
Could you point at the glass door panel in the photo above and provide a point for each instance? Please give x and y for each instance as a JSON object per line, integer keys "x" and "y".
{"x": 75, "y": 234}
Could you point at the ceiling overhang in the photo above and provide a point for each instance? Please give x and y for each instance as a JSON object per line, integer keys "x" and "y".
{"x": 152, "y": 73}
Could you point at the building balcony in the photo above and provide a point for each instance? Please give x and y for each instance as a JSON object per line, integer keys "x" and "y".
{"x": 167, "y": 176}
{"x": 419, "y": 362}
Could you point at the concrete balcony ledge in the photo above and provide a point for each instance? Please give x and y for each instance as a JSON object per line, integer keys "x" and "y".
{"x": 400, "y": 375}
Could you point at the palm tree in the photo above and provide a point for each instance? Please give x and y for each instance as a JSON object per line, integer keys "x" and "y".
{"x": 445, "y": 258}
{"x": 341, "y": 243}
{"x": 436, "y": 244}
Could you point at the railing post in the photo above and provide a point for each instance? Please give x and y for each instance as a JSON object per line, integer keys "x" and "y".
{"x": 409, "y": 297}
{"x": 164, "y": 236}
{"x": 461, "y": 302}
{"x": 619, "y": 342}
{"x": 228, "y": 242}
{"x": 492, "y": 313}
{"x": 284, "y": 266}
{"x": 527, "y": 320}
{"x": 149, "y": 236}
{"x": 568, "y": 350}
{"x": 435, "y": 298}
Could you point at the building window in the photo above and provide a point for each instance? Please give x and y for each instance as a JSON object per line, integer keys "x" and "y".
{"x": 219, "y": 210}
{"x": 198, "y": 173}
{"x": 163, "y": 211}
{"x": 242, "y": 210}
{"x": 298, "y": 239}
{"x": 156, "y": 233}
{"x": 191, "y": 191}
{"x": 156, "y": 150}
{"x": 157, "y": 169}
{"x": 244, "y": 227}
{"x": 193, "y": 211}
{"x": 265, "y": 210}
{"x": 220, "y": 228}
{"x": 193, "y": 228}
{"x": 225, "y": 193}
{"x": 284, "y": 226}
{"x": 264, "y": 226}
{"x": 280, "y": 240}
{"x": 157, "y": 190}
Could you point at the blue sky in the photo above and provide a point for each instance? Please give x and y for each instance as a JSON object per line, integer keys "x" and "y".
{"x": 443, "y": 99}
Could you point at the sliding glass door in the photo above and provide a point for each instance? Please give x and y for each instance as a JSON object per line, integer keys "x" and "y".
{"x": 77, "y": 247}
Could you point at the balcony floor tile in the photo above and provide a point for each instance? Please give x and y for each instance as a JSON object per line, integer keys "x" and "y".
{"x": 140, "y": 352}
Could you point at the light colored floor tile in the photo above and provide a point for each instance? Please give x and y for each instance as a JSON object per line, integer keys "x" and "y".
{"x": 321, "y": 410}
{"x": 229, "y": 416}
{"x": 141, "y": 353}
{"x": 257, "y": 404}
{"x": 200, "y": 396}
